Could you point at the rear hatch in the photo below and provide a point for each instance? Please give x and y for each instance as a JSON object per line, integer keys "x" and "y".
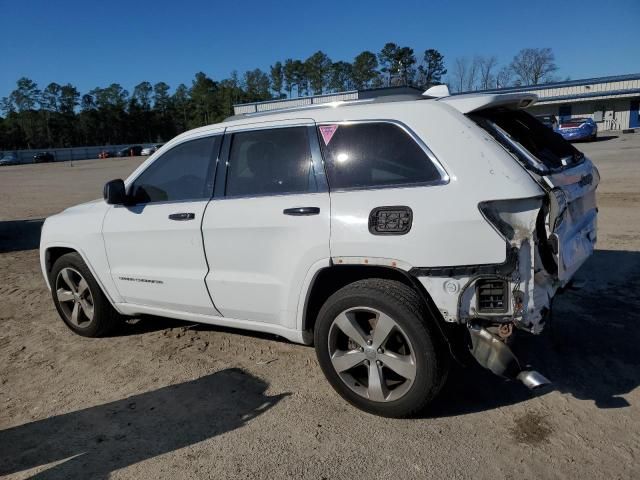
{"x": 567, "y": 231}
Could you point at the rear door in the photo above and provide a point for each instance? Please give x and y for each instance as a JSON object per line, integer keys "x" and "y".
{"x": 380, "y": 210}
{"x": 154, "y": 245}
{"x": 268, "y": 223}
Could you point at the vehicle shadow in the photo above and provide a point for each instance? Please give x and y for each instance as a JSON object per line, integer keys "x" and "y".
{"x": 93, "y": 442}
{"x": 146, "y": 324}
{"x": 604, "y": 138}
{"x": 589, "y": 350}
{"x": 151, "y": 323}
{"x": 19, "y": 235}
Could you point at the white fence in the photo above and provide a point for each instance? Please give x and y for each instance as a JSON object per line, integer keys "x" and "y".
{"x": 75, "y": 153}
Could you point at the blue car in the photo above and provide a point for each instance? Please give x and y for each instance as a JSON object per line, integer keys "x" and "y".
{"x": 575, "y": 129}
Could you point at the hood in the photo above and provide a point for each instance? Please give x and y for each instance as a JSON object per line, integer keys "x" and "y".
{"x": 82, "y": 207}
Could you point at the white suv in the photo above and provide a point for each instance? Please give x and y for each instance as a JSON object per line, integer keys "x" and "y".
{"x": 393, "y": 234}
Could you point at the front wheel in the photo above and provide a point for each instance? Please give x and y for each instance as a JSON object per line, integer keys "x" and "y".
{"x": 79, "y": 299}
{"x": 378, "y": 350}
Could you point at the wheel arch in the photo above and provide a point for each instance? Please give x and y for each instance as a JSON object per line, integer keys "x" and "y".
{"x": 53, "y": 252}
{"x": 330, "y": 279}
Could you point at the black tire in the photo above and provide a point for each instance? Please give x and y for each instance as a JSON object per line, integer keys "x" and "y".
{"x": 104, "y": 316}
{"x": 406, "y": 308}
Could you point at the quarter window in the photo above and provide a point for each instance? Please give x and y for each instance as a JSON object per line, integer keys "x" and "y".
{"x": 269, "y": 162}
{"x": 183, "y": 173}
{"x": 373, "y": 155}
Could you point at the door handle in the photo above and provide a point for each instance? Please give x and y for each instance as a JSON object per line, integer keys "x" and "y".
{"x": 182, "y": 216}
{"x": 301, "y": 211}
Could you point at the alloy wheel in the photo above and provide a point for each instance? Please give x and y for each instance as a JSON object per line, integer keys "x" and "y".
{"x": 74, "y": 297}
{"x": 372, "y": 354}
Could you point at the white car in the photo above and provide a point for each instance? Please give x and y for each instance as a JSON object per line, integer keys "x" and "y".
{"x": 394, "y": 235}
{"x": 150, "y": 150}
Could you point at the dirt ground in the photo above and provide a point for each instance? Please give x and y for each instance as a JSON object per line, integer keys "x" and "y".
{"x": 166, "y": 399}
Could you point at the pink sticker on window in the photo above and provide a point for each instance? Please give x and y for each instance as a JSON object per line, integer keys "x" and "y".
{"x": 327, "y": 132}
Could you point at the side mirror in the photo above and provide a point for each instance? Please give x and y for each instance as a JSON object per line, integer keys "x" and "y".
{"x": 114, "y": 192}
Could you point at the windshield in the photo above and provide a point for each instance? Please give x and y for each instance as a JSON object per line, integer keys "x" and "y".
{"x": 538, "y": 147}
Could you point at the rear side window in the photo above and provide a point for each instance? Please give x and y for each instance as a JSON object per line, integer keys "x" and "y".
{"x": 183, "y": 173}
{"x": 269, "y": 162}
{"x": 537, "y": 146}
{"x": 364, "y": 155}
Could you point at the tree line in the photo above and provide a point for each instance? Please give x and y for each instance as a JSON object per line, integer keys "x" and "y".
{"x": 61, "y": 116}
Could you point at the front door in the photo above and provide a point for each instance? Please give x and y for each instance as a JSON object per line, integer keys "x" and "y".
{"x": 154, "y": 244}
{"x": 268, "y": 223}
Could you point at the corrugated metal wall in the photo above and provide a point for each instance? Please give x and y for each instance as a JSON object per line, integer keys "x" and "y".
{"x": 615, "y": 111}
{"x": 583, "y": 89}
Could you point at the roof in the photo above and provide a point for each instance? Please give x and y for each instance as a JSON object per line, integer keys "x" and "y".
{"x": 375, "y": 94}
{"x": 270, "y": 109}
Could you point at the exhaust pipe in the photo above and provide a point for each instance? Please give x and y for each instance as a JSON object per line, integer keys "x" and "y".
{"x": 532, "y": 379}
{"x": 495, "y": 355}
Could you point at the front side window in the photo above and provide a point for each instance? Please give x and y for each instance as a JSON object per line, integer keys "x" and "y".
{"x": 183, "y": 173}
{"x": 373, "y": 155}
{"x": 269, "y": 162}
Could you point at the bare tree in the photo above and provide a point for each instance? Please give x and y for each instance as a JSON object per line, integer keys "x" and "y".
{"x": 459, "y": 73}
{"x": 533, "y": 66}
{"x": 473, "y": 72}
{"x": 487, "y": 64}
{"x": 504, "y": 77}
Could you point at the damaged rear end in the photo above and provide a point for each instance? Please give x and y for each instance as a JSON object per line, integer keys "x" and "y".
{"x": 547, "y": 239}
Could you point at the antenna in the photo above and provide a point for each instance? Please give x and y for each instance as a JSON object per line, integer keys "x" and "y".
{"x": 437, "y": 91}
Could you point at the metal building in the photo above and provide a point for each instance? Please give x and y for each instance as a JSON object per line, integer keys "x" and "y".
{"x": 612, "y": 102}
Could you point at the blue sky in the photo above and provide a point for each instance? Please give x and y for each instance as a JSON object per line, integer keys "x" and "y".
{"x": 90, "y": 43}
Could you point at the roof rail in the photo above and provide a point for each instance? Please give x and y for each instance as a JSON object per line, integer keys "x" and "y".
{"x": 335, "y": 104}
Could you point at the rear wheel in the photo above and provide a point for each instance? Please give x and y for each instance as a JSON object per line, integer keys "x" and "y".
{"x": 79, "y": 299}
{"x": 377, "y": 349}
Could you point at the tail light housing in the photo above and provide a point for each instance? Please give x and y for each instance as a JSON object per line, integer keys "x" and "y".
{"x": 512, "y": 218}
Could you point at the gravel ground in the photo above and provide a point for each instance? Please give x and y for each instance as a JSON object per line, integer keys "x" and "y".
{"x": 168, "y": 399}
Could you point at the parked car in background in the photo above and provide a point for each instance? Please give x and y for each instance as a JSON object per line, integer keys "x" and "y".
{"x": 151, "y": 150}
{"x": 43, "y": 157}
{"x": 106, "y": 154}
{"x": 548, "y": 121}
{"x": 9, "y": 159}
{"x": 131, "y": 151}
{"x": 575, "y": 129}
{"x": 305, "y": 229}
